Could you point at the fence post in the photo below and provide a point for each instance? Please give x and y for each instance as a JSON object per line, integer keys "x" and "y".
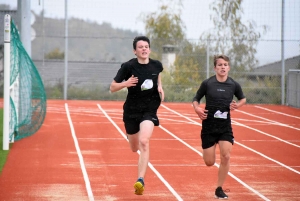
{"x": 6, "y": 84}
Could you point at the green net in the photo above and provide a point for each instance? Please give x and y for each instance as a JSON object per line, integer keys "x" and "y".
{"x": 28, "y": 96}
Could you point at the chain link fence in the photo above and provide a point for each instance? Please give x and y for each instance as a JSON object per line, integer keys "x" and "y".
{"x": 96, "y": 51}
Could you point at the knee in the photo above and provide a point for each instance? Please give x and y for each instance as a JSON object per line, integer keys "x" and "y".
{"x": 209, "y": 158}
{"x": 209, "y": 162}
{"x": 144, "y": 143}
{"x": 225, "y": 158}
{"x": 134, "y": 148}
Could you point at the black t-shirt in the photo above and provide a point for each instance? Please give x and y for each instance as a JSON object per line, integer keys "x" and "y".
{"x": 218, "y": 95}
{"x": 144, "y": 96}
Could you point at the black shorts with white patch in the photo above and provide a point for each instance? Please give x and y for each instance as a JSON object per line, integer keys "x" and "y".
{"x": 132, "y": 121}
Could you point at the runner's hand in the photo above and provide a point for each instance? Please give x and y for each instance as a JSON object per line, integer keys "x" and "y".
{"x": 202, "y": 113}
{"x": 233, "y": 105}
{"x": 132, "y": 81}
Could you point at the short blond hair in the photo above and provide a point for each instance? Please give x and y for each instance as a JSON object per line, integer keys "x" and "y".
{"x": 221, "y": 56}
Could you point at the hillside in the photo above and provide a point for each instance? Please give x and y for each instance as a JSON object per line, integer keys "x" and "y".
{"x": 88, "y": 41}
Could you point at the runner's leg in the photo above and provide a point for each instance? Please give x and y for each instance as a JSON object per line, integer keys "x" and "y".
{"x": 225, "y": 149}
{"x": 146, "y": 129}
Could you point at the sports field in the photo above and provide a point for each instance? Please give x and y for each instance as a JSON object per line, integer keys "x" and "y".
{"x": 81, "y": 153}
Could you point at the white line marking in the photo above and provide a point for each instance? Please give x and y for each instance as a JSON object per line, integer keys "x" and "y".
{"x": 258, "y": 122}
{"x": 274, "y": 122}
{"x": 189, "y": 119}
{"x": 277, "y": 112}
{"x": 152, "y": 138}
{"x": 85, "y": 175}
{"x": 259, "y": 131}
{"x": 256, "y": 192}
{"x": 149, "y": 164}
{"x": 237, "y": 123}
{"x": 267, "y": 140}
{"x": 283, "y": 165}
{"x": 195, "y": 122}
{"x": 217, "y": 165}
{"x": 173, "y": 120}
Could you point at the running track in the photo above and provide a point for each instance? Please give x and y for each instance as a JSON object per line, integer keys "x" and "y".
{"x": 81, "y": 153}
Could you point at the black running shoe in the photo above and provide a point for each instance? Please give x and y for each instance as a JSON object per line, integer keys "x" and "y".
{"x": 219, "y": 194}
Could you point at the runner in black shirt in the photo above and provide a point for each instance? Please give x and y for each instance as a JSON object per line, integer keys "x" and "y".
{"x": 141, "y": 76}
{"x": 219, "y": 91}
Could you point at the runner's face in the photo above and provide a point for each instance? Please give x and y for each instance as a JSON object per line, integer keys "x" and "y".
{"x": 222, "y": 68}
{"x": 142, "y": 49}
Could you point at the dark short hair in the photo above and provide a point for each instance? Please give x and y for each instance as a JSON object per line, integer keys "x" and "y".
{"x": 138, "y": 38}
{"x": 220, "y": 56}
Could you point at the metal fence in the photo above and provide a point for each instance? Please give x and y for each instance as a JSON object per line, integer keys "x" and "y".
{"x": 96, "y": 49}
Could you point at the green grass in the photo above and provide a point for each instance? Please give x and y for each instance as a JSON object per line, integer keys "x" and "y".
{"x": 3, "y": 154}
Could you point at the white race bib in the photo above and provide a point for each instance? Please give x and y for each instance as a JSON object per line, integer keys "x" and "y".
{"x": 220, "y": 115}
{"x": 148, "y": 84}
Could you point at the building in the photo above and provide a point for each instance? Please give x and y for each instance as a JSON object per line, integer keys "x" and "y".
{"x": 275, "y": 69}
{"x": 168, "y": 57}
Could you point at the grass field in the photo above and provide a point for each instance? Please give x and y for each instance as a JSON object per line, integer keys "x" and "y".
{"x": 3, "y": 154}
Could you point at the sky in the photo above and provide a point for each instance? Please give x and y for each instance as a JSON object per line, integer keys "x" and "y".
{"x": 126, "y": 14}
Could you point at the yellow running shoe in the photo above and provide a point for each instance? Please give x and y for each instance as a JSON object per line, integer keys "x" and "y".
{"x": 139, "y": 187}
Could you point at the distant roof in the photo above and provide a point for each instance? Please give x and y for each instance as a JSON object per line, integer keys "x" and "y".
{"x": 275, "y": 68}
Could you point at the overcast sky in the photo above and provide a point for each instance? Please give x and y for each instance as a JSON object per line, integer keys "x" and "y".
{"x": 195, "y": 14}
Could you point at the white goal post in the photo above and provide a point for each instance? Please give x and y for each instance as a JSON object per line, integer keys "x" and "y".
{"x": 6, "y": 84}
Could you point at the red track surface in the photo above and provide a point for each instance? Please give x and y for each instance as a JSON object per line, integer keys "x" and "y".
{"x": 86, "y": 157}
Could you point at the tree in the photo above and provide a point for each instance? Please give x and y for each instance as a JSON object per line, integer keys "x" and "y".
{"x": 189, "y": 66}
{"x": 164, "y": 27}
{"x": 55, "y": 54}
{"x": 231, "y": 36}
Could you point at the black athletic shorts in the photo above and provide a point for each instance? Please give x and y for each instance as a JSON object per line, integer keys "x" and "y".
{"x": 132, "y": 121}
{"x": 213, "y": 131}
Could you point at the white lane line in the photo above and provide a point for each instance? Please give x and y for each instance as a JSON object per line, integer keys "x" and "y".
{"x": 217, "y": 165}
{"x": 189, "y": 119}
{"x": 152, "y": 139}
{"x": 175, "y": 121}
{"x": 267, "y": 140}
{"x": 240, "y": 181}
{"x": 274, "y": 122}
{"x": 274, "y": 111}
{"x": 85, "y": 175}
{"x": 239, "y": 124}
{"x": 275, "y": 161}
{"x": 149, "y": 164}
{"x": 267, "y": 134}
{"x": 257, "y": 122}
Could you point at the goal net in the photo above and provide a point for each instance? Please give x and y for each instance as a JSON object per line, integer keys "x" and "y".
{"x": 27, "y": 96}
